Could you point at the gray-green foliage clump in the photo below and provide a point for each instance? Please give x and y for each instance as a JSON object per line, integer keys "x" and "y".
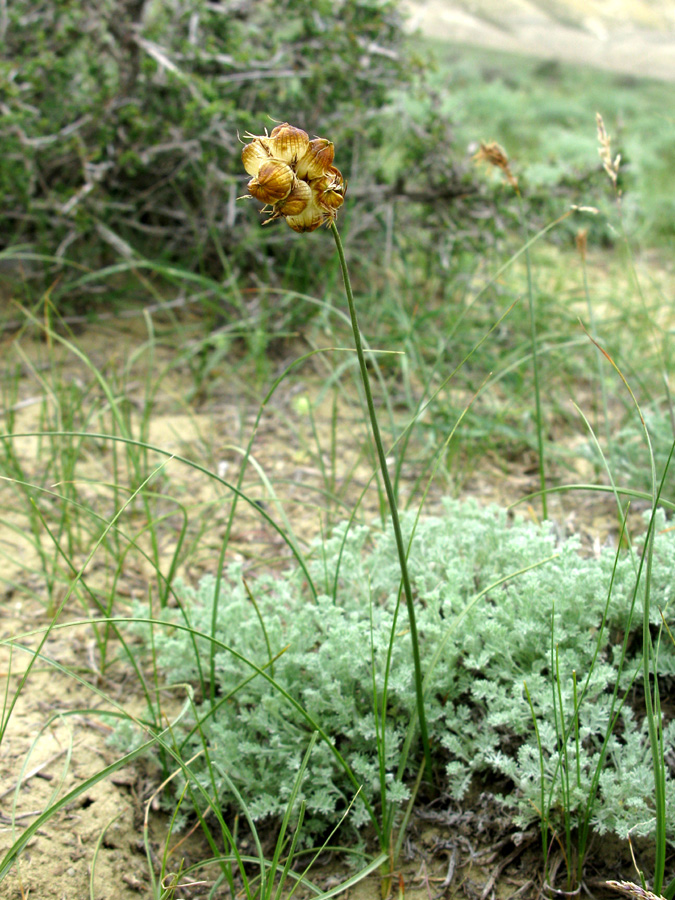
{"x": 482, "y": 634}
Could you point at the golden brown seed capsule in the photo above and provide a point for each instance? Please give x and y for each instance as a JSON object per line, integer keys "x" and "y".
{"x": 329, "y": 190}
{"x": 288, "y": 143}
{"x": 254, "y": 155}
{"x": 297, "y": 200}
{"x": 317, "y": 160}
{"x": 336, "y": 175}
{"x": 331, "y": 201}
{"x": 273, "y": 183}
{"x": 309, "y": 219}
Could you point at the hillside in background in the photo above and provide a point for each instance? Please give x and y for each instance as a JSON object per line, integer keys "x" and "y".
{"x": 635, "y": 37}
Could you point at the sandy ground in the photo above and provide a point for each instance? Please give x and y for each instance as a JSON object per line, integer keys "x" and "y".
{"x": 634, "y": 38}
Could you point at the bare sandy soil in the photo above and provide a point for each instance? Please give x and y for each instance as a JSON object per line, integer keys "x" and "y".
{"x": 634, "y": 38}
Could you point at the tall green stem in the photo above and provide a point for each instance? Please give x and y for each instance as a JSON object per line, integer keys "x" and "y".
{"x": 603, "y": 387}
{"x": 400, "y": 546}
{"x": 535, "y": 360}
{"x": 654, "y": 722}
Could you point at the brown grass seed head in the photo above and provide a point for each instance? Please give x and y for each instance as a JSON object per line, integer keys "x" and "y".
{"x": 611, "y": 166}
{"x": 494, "y": 154}
{"x": 581, "y": 240}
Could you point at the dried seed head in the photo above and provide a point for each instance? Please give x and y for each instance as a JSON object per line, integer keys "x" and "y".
{"x": 629, "y": 889}
{"x": 273, "y": 182}
{"x": 611, "y": 166}
{"x": 294, "y": 177}
{"x": 495, "y": 155}
{"x": 288, "y": 143}
{"x": 581, "y": 240}
{"x": 317, "y": 160}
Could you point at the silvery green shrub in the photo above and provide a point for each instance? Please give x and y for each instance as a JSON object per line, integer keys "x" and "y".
{"x": 537, "y": 627}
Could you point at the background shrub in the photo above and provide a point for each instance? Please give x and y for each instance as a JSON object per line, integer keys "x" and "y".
{"x": 121, "y": 120}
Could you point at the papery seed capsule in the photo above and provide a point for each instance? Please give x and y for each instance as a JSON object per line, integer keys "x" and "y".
{"x": 335, "y": 175}
{"x": 317, "y": 160}
{"x": 331, "y": 180}
{"x": 329, "y": 190}
{"x": 309, "y": 219}
{"x": 331, "y": 200}
{"x": 254, "y": 155}
{"x": 288, "y": 143}
{"x": 297, "y": 200}
{"x": 274, "y": 182}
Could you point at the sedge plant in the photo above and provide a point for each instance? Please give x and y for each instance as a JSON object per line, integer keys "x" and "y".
{"x": 652, "y": 693}
{"x": 567, "y": 769}
{"x": 611, "y": 164}
{"x": 493, "y": 154}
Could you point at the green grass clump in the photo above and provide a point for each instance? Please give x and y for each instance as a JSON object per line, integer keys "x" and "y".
{"x": 499, "y": 604}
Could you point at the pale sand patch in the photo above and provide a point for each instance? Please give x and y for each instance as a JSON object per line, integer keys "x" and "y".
{"x": 634, "y": 38}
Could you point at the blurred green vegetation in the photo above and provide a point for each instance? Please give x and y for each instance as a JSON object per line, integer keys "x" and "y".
{"x": 121, "y": 123}
{"x": 543, "y": 113}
